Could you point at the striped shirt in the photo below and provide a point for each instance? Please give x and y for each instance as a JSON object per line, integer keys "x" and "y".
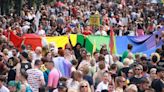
{"x": 34, "y": 79}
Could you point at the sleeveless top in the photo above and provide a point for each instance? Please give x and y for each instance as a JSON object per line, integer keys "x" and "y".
{"x": 26, "y": 66}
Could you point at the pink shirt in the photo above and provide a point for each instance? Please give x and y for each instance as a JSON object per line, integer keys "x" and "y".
{"x": 53, "y": 78}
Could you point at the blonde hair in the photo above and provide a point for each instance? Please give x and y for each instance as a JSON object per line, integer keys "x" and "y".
{"x": 5, "y": 51}
{"x": 157, "y": 55}
{"x": 131, "y": 87}
{"x": 118, "y": 80}
{"x": 38, "y": 49}
{"x": 85, "y": 82}
{"x": 126, "y": 61}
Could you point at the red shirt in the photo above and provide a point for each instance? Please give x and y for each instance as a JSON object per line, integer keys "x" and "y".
{"x": 87, "y": 33}
{"x": 74, "y": 11}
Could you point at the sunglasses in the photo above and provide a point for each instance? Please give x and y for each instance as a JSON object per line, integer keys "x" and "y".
{"x": 84, "y": 86}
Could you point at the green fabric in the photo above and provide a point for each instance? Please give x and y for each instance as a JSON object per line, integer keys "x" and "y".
{"x": 80, "y": 39}
{"x": 12, "y": 83}
{"x": 124, "y": 55}
{"x": 15, "y": 84}
{"x": 99, "y": 41}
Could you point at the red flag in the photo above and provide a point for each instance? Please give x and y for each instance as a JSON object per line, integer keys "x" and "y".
{"x": 33, "y": 40}
{"x": 16, "y": 40}
{"x": 111, "y": 43}
{"x": 123, "y": 3}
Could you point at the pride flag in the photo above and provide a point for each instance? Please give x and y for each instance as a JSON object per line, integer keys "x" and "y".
{"x": 61, "y": 41}
{"x": 112, "y": 43}
{"x": 144, "y": 44}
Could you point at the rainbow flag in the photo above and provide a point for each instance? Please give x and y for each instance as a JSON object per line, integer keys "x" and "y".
{"x": 112, "y": 43}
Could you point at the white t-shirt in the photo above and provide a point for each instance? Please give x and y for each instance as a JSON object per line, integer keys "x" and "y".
{"x": 34, "y": 78}
{"x": 40, "y": 33}
{"x": 101, "y": 86}
{"x": 108, "y": 59}
{"x": 4, "y": 89}
{"x": 35, "y": 56}
{"x": 101, "y": 33}
{"x": 72, "y": 84}
{"x": 25, "y": 28}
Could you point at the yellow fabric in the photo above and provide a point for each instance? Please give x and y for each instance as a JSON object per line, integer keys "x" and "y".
{"x": 94, "y": 20}
{"x": 43, "y": 68}
{"x": 61, "y": 41}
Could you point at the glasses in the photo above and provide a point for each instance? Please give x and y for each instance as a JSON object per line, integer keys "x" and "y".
{"x": 84, "y": 86}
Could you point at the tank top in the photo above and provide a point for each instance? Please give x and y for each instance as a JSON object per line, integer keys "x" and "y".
{"x": 26, "y": 66}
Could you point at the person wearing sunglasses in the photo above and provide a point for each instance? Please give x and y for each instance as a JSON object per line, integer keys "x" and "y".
{"x": 120, "y": 83}
{"x": 138, "y": 70}
{"x": 84, "y": 86}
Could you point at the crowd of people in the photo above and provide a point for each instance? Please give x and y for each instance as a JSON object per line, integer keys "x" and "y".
{"x": 73, "y": 69}
{"x": 133, "y": 17}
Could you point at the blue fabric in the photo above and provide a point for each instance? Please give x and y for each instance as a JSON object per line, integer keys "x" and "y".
{"x": 143, "y": 44}
{"x": 28, "y": 88}
{"x": 46, "y": 73}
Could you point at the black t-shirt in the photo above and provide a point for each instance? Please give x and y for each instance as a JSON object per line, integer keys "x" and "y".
{"x": 161, "y": 63}
{"x": 158, "y": 85}
{"x": 135, "y": 80}
{"x": 11, "y": 75}
{"x": 26, "y": 66}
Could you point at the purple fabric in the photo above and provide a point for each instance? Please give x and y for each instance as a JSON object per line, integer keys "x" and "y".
{"x": 63, "y": 66}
